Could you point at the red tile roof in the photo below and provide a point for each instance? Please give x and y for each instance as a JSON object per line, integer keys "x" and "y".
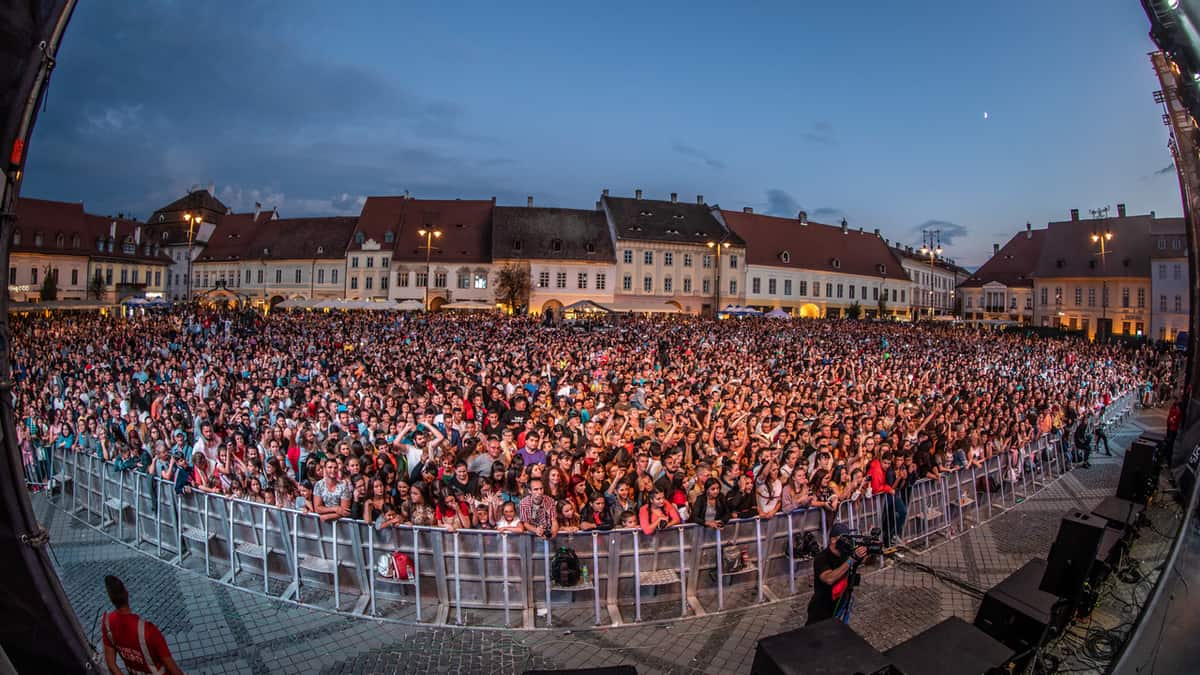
{"x": 67, "y": 230}
{"x": 170, "y": 217}
{"x": 302, "y": 238}
{"x": 813, "y": 246}
{"x": 466, "y": 227}
{"x": 233, "y": 236}
{"x": 1013, "y": 265}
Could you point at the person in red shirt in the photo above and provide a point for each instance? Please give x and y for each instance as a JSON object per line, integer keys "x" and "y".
{"x": 139, "y": 642}
{"x": 894, "y": 508}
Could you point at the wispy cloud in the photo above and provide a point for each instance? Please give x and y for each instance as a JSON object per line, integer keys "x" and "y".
{"x": 949, "y": 231}
{"x": 820, "y": 133}
{"x": 828, "y": 213}
{"x": 697, "y": 153}
{"x": 780, "y": 203}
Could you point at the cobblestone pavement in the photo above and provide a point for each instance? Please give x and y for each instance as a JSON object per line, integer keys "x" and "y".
{"x": 215, "y": 629}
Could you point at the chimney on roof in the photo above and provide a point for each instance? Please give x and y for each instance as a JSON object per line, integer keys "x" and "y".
{"x": 674, "y": 198}
{"x": 699, "y": 199}
{"x": 257, "y": 209}
{"x": 1028, "y": 231}
{"x": 274, "y": 213}
{"x": 845, "y": 227}
{"x": 1120, "y": 210}
{"x": 599, "y": 205}
{"x": 803, "y": 217}
{"x": 877, "y": 232}
{"x": 1074, "y": 214}
{"x": 1151, "y": 215}
{"x": 637, "y": 194}
{"x": 137, "y": 235}
{"x": 604, "y": 192}
{"x": 995, "y": 250}
{"x": 747, "y": 209}
{"x": 529, "y": 202}
{"x": 112, "y": 229}
{"x": 406, "y": 194}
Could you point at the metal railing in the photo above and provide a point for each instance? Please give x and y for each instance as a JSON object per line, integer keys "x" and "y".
{"x": 486, "y": 578}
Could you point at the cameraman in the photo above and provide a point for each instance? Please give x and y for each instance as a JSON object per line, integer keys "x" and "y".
{"x": 830, "y": 571}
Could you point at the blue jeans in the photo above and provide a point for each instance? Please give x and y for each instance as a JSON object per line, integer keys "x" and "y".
{"x": 895, "y": 512}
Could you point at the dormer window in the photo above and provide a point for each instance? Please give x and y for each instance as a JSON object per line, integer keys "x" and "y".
{"x": 671, "y": 230}
{"x": 17, "y": 237}
{"x": 556, "y": 245}
{"x": 321, "y": 249}
{"x": 128, "y": 247}
{"x": 882, "y": 269}
{"x": 590, "y": 247}
{"x": 37, "y": 238}
{"x": 359, "y": 238}
{"x": 678, "y": 216}
{"x": 389, "y": 237}
{"x": 60, "y": 240}
{"x": 645, "y": 213}
{"x": 785, "y": 257}
{"x": 164, "y": 235}
{"x": 517, "y": 244}
{"x": 100, "y": 244}
{"x": 837, "y": 264}
{"x": 75, "y": 240}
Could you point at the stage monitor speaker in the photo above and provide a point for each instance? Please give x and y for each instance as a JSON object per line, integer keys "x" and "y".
{"x": 827, "y": 647}
{"x": 1016, "y": 612}
{"x": 1121, "y": 514}
{"x": 1103, "y": 329}
{"x": 609, "y": 670}
{"x": 1139, "y": 470}
{"x": 1072, "y": 555}
{"x": 952, "y": 647}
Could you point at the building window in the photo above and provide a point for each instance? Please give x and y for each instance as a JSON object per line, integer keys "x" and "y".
{"x": 321, "y": 276}
{"x": 601, "y": 281}
{"x": 874, "y": 293}
{"x": 771, "y": 286}
{"x": 1058, "y": 299}
{"x": 370, "y": 261}
{"x": 480, "y": 280}
{"x": 687, "y": 284}
{"x": 421, "y": 280}
{"x": 581, "y": 281}
{"x": 687, "y": 259}
{"x": 756, "y": 285}
{"x": 560, "y": 280}
{"x": 648, "y": 283}
{"x": 628, "y": 257}
{"x": 354, "y": 261}
{"x": 354, "y": 283}
{"x": 733, "y": 286}
{"x": 1162, "y": 303}
{"x": 970, "y": 301}
{"x": 733, "y": 262}
{"x": 668, "y": 258}
{"x": 369, "y": 281}
{"x": 333, "y": 275}
{"x": 1177, "y": 271}
{"x": 33, "y": 276}
{"x": 1091, "y": 297}
{"x": 1125, "y": 297}
{"x": 384, "y": 261}
{"x": 1162, "y": 269}
{"x": 134, "y": 279}
{"x": 1179, "y": 303}
{"x": 667, "y": 284}
{"x": 12, "y": 276}
{"x": 556, "y": 245}
{"x": 157, "y": 277}
{"x": 803, "y": 287}
{"x": 648, "y": 257}
{"x": 543, "y": 280}
{"x": 439, "y": 279}
{"x": 816, "y": 290}
{"x": 260, "y": 276}
{"x": 851, "y": 291}
{"x": 839, "y": 290}
{"x": 1141, "y": 298}
{"x": 247, "y": 276}
{"x": 1045, "y": 296}
{"x": 464, "y": 280}
{"x": 298, "y": 276}
{"x": 903, "y": 293}
{"x": 1124, "y": 328}
{"x": 125, "y": 277}
{"x": 402, "y": 279}
{"x": 1078, "y": 296}
{"x": 707, "y": 286}
{"x": 706, "y": 262}
{"x": 787, "y": 286}
{"x": 627, "y": 282}
{"x": 1162, "y": 244}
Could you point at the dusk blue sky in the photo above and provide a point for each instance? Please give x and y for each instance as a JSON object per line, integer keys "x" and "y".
{"x": 869, "y": 110}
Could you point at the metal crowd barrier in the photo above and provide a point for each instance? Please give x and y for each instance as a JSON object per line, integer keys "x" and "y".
{"x": 485, "y": 578}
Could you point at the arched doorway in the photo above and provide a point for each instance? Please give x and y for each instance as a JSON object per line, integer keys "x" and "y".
{"x": 552, "y": 307}
{"x": 436, "y": 303}
{"x": 275, "y": 300}
{"x": 810, "y": 311}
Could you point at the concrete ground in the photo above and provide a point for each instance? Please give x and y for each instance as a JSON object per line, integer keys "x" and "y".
{"x": 215, "y": 629}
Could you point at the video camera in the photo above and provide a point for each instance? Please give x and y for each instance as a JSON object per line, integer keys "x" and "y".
{"x": 846, "y": 543}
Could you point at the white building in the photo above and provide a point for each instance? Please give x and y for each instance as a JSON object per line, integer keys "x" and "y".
{"x": 1169, "y": 292}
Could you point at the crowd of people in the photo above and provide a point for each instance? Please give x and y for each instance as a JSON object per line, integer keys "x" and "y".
{"x": 490, "y": 422}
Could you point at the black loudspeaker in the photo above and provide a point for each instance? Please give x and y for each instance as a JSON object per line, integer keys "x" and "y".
{"x": 1121, "y": 514}
{"x": 827, "y": 647}
{"x": 1139, "y": 471}
{"x": 1103, "y": 329}
{"x": 610, "y": 670}
{"x": 1072, "y": 555}
{"x": 952, "y": 647}
{"x": 1017, "y": 613}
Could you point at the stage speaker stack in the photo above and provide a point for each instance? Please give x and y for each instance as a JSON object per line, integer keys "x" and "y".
{"x": 1122, "y": 515}
{"x": 952, "y": 647}
{"x": 611, "y": 670}
{"x": 1139, "y": 471}
{"x": 827, "y": 647}
{"x": 1072, "y": 555}
{"x": 1017, "y": 613}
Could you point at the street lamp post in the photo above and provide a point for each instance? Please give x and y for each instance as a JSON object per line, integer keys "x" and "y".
{"x": 1102, "y": 238}
{"x": 193, "y": 219}
{"x": 931, "y": 245}
{"x": 717, "y": 246}
{"x": 429, "y": 237}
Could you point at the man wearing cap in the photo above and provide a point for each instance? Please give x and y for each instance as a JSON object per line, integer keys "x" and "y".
{"x": 139, "y": 642}
{"x": 830, "y": 572}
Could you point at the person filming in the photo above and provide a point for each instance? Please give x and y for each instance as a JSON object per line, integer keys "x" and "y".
{"x": 832, "y": 577}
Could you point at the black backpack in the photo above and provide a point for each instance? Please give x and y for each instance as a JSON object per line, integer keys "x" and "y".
{"x": 564, "y": 567}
